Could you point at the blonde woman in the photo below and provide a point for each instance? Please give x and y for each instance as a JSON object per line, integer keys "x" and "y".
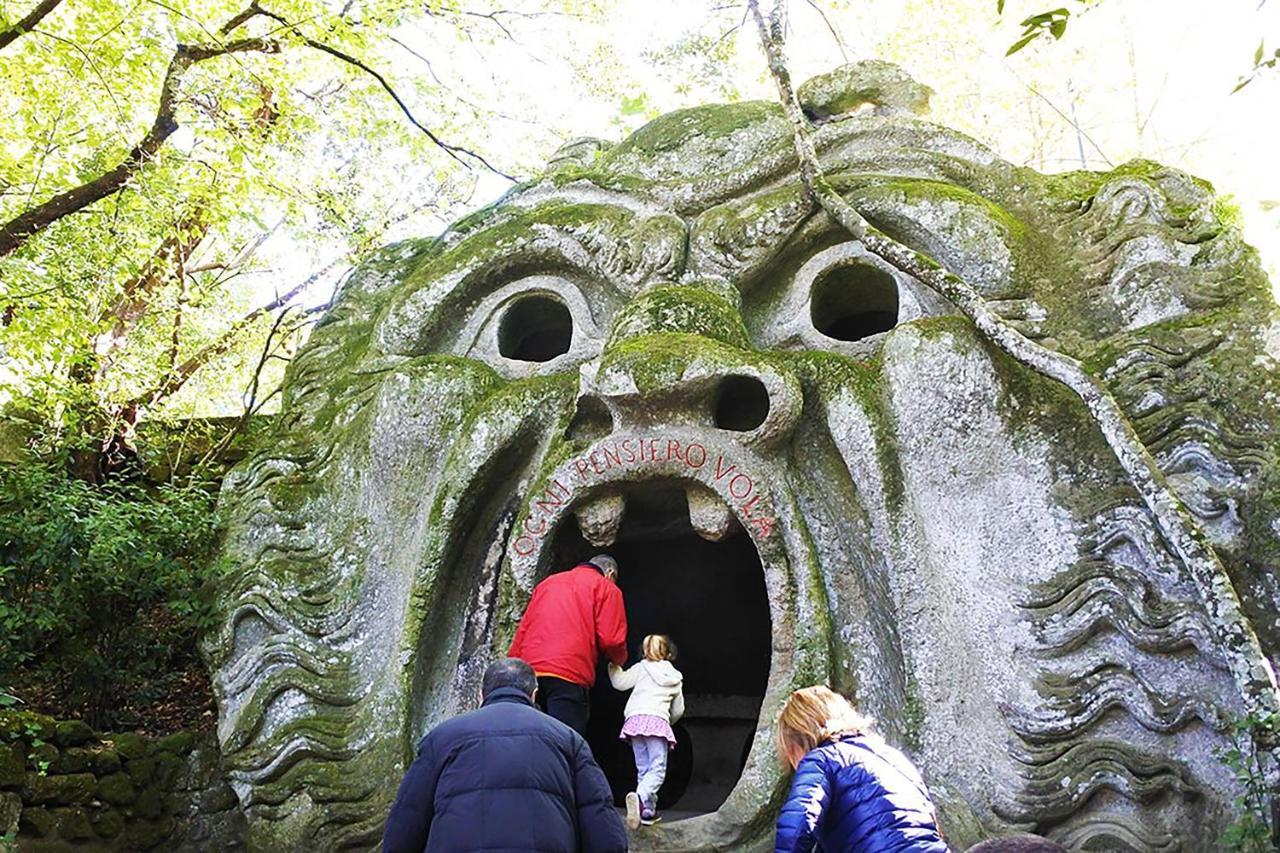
{"x": 657, "y": 701}
{"x": 852, "y": 792}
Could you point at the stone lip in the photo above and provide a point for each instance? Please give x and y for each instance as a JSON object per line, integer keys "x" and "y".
{"x": 754, "y": 490}
{"x": 873, "y": 82}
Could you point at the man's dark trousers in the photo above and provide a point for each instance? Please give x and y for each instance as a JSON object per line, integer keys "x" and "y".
{"x": 568, "y": 702}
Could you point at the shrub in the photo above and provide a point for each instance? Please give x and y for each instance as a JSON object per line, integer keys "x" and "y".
{"x": 101, "y": 586}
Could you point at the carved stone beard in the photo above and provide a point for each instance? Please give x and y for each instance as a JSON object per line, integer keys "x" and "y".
{"x": 811, "y": 468}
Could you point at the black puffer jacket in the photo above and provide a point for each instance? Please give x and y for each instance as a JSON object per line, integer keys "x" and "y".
{"x": 506, "y": 777}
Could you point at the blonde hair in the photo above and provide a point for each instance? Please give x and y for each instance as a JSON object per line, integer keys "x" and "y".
{"x": 812, "y": 716}
{"x": 658, "y": 647}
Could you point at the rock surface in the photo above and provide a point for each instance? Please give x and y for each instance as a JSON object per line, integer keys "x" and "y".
{"x": 943, "y": 535}
{"x": 112, "y": 792}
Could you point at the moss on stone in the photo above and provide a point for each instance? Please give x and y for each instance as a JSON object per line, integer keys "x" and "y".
{"x": 38, "y": 822}
{"x": 73, "y": 824}
{"x": 660, "y": 360}
{"x": 917, "y": 190}
{"x": 117, "y": 788}
{"x": 671, "y": 131}
{"x": 13, "y": 766}
{"x": 146, "y": 834}
{"x": 913, "y": 715}
{"x": 105, "y": 761}
{"x": 1082, "y": 184}
{"x": 141, "y": 770}
{"x": 10, "y": 814}
{"x": 873, "y": 82}
{"x": 73, "y": 760}
{"x": 826, "y": 374}
{"x": 43, "y": 756}
{"x": 151, "y": 803}
{"x": 179, "y": 743}
{"x": 72, "y": 733}
{"x": 107, "y": 823}
{"x": 129, "y": 745}
{"x": 25, "y": 725}
{"x": 682, "y": 309}
{"x": 69, "y": 790}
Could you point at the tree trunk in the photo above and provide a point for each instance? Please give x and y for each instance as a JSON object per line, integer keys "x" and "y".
{"x": 33, "y": 17}
{"x": 1249, "y": 666}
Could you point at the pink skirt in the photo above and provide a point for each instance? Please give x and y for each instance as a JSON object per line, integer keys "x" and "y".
{"x": 647, "y": 725}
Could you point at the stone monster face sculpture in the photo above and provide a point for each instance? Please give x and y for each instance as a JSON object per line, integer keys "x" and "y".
{"x": 809, "y": 467}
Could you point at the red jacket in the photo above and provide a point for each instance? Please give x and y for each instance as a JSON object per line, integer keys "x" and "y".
{"x": 573, "y": 617}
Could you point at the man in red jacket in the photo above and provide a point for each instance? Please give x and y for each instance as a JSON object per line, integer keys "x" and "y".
{"x": 572, "y": 618}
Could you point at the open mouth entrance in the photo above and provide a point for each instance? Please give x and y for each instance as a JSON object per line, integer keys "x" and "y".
{"x": 710, "y": 598}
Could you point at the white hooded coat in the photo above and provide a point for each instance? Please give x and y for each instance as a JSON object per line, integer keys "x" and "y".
{"x": 655, "y": 687}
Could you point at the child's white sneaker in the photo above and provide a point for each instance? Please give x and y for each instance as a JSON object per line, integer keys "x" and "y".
{"x": 633, "y": 810}
{"x": 649, "y": 821}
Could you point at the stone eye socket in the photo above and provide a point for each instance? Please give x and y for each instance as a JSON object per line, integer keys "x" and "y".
{"x": 537, "y": 328}
{"x": 741, "y": 403}
{"x": 853, "y": 301}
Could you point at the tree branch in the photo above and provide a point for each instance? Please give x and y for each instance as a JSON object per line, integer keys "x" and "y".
{"x": 175, "y": 337}
{"x": 184, "y": 371}
{"x": 44, "y": 7}
{"x": 15, "y": 232}
{"x": 1252, "y": 671}
{"x": 457, "y": 152}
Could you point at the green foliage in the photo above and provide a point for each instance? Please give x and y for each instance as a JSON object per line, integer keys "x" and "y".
{"x": 1261, "y": 62}
{"x": 31, "y": 733}
{"x": 100, "y": 586}
{"x": 1054, "y": 23}
{"x": 287, "y": 164}
{"x": 1051, "y": 23}
{"x": 1250, "y": 831}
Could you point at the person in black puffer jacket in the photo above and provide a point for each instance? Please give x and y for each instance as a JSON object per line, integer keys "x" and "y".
{"x": 505, "y": 777}
{"x": 852, "y": 792}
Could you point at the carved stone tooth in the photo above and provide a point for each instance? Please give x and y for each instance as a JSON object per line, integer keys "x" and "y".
{"x": 599, "y": 518}
{"x": 709, "y": 514}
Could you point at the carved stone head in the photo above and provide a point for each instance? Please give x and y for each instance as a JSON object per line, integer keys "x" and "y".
{"x": 808, "y": 467}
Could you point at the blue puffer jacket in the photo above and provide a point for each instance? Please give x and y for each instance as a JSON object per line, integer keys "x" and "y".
{"x": 857, "y": 794}
{"x": 507, "y": 778}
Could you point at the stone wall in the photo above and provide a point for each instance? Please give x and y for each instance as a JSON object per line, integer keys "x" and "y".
{"x": 64, "y": 786}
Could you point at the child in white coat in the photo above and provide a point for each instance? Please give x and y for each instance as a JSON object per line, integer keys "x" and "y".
{"x": 657, "y": 701}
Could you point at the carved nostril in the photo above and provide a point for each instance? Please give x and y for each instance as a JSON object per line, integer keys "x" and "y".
{"x": 591, "y": 421}
{"x": 741, "y": 404}
{"x": 854, "y": 301}
{"x": 535, "y": 328}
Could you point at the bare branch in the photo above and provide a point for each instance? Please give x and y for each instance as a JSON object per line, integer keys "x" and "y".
{"x": 249, "y": 12}
{"x": 1080, "y": 131}
{"x": 1254, "y": 676}
{"x": 184, "y": 371}
{"x": 252, "y": 404}
{"x": 492, "y": 16}
{"x": 835, "y": 34}
{"x": 457, "y": 152}
{"x": 175, "y": 337}
{"x": 27, "y": 24}
{"x": 136, "y": 296}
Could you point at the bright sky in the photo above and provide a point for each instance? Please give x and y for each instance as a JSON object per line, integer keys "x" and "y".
{"x": 1132, "y": 78}
{"x": 1140, "y": 78}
